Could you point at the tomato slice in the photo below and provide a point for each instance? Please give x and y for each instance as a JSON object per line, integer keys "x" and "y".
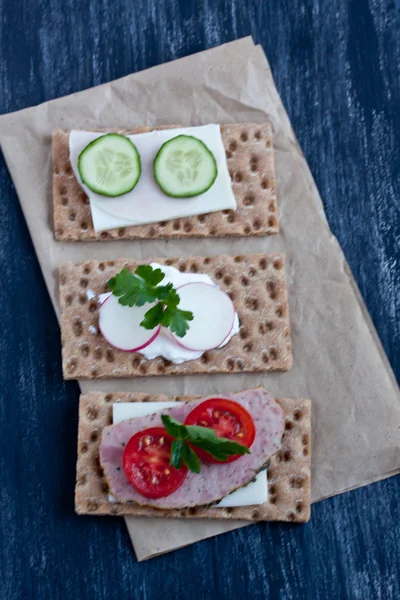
{"x": 146, "y": 464}
{"x": 229, "y": 420}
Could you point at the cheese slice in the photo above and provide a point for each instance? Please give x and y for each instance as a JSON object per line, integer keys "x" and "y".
{"x": 255, "y": 492}
{"x": 146, "y": 203}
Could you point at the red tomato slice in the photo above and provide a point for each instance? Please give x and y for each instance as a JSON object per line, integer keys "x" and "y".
{"x": 146, "y": 464}
{"x": 229, "y": 420}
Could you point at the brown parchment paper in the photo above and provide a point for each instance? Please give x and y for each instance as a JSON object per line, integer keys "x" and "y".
{"x": 338, "y": 359}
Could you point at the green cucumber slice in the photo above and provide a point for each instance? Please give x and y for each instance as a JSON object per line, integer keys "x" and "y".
{"x": 184, "y": 167}
{"x": 110, "y": 165}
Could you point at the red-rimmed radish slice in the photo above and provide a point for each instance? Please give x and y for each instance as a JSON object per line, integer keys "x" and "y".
{"x": 120, "y": 325}
{"x": 213, "y": 313}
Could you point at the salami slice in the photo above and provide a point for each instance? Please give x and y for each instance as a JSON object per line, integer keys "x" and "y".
{"x": 215, "y": 481}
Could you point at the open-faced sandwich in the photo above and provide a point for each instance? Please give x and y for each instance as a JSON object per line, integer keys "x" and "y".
{"x": 168, "y": 182}
{"x": 211, "y": 457}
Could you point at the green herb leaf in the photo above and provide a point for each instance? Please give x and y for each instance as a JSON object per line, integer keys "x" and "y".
{"x": 138, "y": 288}
{"x": 142, "y": 287}
{"x": 190, "y": 458}
{"x": 201, "y": 437}
{"x": 153, "y": 316}
{"x": 176, "y": 453}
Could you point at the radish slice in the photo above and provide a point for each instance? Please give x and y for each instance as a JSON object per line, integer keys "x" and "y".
{"x": 213, "y": 313}
{"x": 120, "y": 325}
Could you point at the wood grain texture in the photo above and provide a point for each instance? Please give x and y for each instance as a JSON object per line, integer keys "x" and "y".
{"x": 336, "y": 67}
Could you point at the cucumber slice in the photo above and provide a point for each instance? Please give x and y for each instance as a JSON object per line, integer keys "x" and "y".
{"x": 184, "y": 167}
{"x": 110, "y": 165}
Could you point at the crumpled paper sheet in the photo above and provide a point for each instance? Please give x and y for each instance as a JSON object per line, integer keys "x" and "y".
{"x": 338, "y": 359}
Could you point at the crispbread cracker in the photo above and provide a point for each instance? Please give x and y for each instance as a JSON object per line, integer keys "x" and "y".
{"x": 255, "y": 282}
{"x": 250, "y": 160}
{"x": 288, "y": 470}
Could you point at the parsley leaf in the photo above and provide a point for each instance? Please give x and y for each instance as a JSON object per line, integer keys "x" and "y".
{"x": 201, "y": 437}
{"x": 142, "y": 287}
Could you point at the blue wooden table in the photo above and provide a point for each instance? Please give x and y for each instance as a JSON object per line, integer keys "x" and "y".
{"x": 336, "y": 64}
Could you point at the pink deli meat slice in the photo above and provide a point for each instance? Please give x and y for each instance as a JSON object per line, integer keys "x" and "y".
{"x": 215, "y": 481}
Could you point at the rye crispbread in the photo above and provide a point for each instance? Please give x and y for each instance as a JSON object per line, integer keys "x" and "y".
{"x": 250, "y": 161}
{"x": 255, "y": 282}
{"x": 289, "y": 470}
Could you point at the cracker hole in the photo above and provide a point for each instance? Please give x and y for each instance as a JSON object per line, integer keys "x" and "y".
{"x": 84, "y": 282}
{"x": 68, "y": 299}
{"x": 277, "y": 264}
{"x": 121, "y": 232}
{"x": 265, "y": 183}
{"x": 109, "y": 356}
{"x": 105, "y": 488}
{"x": 272, "y": 489}
{"x": 297, "y": 415}
{"x": 286, "y": 456}
{"x": 238, "y": 259}
{"x": 271, "y": 206}
{"x": 213, "y": 231}
{"x": 207, "y": 261}
{"x": 288, "y": 425}
{"x": 233, "y": 145}
{"x": 93, "y": 306}
{"x": 263, "y": 263}
{"x": 72, "y": 365}
{"x": 229, "y": 510}
{"x": 237, "y": 177}
{"x": 255, "y": 514}
{"x": 94, "y": 372}
{"x": 85, "y": 350}
{"x": 182, "y": 267}
{"x": 218, "y": 274}
{"x": 64, "y": 201}
{"x": 98, "y": 353}
{"x": 94, "y": 436}
{"x": 296, "y": 481}
{"x": 230, "y": 364}
{"x": 228, "y": 154}
{"x": 81, "y": 479}
{"x": 272, "y": 500}
{"x": 246, "y": 230}
{"x": 268, "y": 144}
{"x": 108, "y": 398}
{"x": 248, "y": 200}
{"x": 243, "y": 333}
{"x": 71, "y": 216}
{"x": 227, "y": 280}
{"x": 252, "y": 272}
{"x": 59, "y": 231}
{"x": 104, "y": 235}
{"x": 135, "y": 363}
{"x": 244, "y": 281}
{"x": 305, "y": 451}
{"x": 77, "y": 326}
{"x": 299, "y": 506}
{"x": 205, "y": 358}
{"x": 244, "y": 136}
{"x": 271, "y": 288}
{"x": 273, "y": 353}
{"x": 257, "y": 224}
{"x": 101, "y": 266}
{"x": 252, "y": 303}
{"x": 143, "y": 368}
{"x": 201, "y": 218}
{"x": 187, "y": 226}
{"x": 92, "y": 413}
{"x": 248, "y": 347}
{"x": 151, "y": 232}
{"x": 84, "y": 225}
{"x": 84, "y": 447}
{"x": 257, "y": 135}
{"x": 305, "y": 440}
{"x": 271, "y": 221}
{"x": 240, "y": 364}
{"x": 265, "y": 357}
{"x": 193, "y": 268}
{"x": 279, "y": 311}
{"x": 163, "y": 223}
{"x": 168, "y": 263}
{"x": 253, "y": 164}
{"x": 176, "y": 225}
{"x": 82, "y": 299}
{"x": 291, "y": 516}
{"x": 68, "y": 169}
